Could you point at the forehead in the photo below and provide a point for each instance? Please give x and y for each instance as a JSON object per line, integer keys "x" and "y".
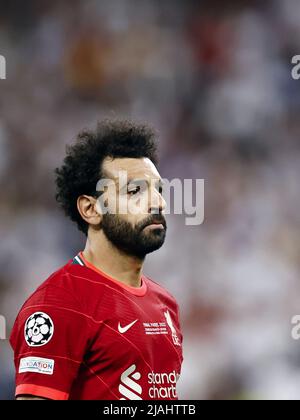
{"x": 142, "y": 168}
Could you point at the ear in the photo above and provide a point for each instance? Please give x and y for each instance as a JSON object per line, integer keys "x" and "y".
{"x": 88, "y": 209}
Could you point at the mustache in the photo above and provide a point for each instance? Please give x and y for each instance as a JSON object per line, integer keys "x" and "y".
{"x": 155, "y": 218}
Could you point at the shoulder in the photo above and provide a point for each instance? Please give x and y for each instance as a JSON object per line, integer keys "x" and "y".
{"x": 70, "y": 286}
{"x": 63, "y": 299}
{"x": 161, "y": 291}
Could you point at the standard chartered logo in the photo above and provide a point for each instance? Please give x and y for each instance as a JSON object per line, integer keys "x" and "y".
{"x": 129, "y": 388}
{"x": 162, "y": 385}
{"x": 166, "y": 385}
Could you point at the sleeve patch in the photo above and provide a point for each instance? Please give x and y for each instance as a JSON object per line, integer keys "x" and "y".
{"x": 36, "y": 365}
{"x": 39, "y": 329}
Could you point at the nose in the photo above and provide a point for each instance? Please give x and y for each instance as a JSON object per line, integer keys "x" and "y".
{"x": 157, "y": 203}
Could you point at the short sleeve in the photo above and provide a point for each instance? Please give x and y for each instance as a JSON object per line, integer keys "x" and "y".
{"x": 50, "y": 338}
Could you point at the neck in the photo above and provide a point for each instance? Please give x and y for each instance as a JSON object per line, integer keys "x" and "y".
{"x": 106, "y": 257}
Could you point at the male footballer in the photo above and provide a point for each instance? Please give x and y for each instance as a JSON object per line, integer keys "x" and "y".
{"x": 98, "y": 328}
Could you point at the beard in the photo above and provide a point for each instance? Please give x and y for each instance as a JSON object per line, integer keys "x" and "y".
{"x": 134, "y": 240}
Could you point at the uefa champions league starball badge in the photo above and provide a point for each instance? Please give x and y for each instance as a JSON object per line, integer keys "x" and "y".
{"x": 38, "y": 329}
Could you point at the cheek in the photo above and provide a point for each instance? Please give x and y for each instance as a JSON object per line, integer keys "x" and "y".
{"x": 129, "y": 205}
{"x": 138, "y": 205}
{"x": 110, "y": 198}
{"x": 118, "y": 204}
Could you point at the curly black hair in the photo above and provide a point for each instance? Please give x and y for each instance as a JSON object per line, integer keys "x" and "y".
{"x": 82, "y": 166}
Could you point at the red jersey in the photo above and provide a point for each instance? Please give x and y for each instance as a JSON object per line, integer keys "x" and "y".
{"x": 84, "y": 335}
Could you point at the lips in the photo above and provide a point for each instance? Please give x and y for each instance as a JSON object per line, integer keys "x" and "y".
{"x": 155, "y": 226}
{"x": 156, "y": 223}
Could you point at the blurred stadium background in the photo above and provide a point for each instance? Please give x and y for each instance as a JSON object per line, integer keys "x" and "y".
{"x": 214, "y": 78}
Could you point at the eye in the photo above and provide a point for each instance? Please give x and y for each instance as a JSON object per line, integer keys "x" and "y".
{"x": 134, "y": 190}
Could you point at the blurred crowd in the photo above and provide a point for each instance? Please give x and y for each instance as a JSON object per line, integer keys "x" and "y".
{"x": 214, "y": 79}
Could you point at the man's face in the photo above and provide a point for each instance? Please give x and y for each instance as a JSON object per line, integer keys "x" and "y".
{"x": 134, "y": 220}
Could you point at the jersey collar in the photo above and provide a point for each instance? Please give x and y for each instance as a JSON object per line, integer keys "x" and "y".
{"x": 137, "y": 291}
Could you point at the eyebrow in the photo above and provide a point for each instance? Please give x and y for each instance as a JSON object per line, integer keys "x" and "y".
{"x": 137, "y": 181}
